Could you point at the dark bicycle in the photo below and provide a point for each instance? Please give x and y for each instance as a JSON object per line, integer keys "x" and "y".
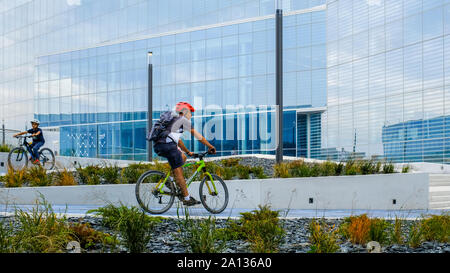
{"x": 18, "y": 156}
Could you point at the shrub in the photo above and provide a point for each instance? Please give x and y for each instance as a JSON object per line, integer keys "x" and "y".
{"x": 15, "y": 178}
{"x": 281, "y": 170}
{"x": 351, "y": 168}
{"x": 37, "y": 176}
{"x": 88, "y": 237}
{"x": 315, "y": 170}
{"x": 328, "y": 168}
{"x": 379, "y": 231}
{"x": 162, "y": 167}
{"x": 133, "y": 225}
{"x": 378, "y": 167}
{"x": 339, "y": 168}
{"x": 367, "y": 167}
{"x": 131, "y": 173}
{"x": 229, "y": 173}
{"x": 41, "y": 231}
{"x": 323, "y": 238}
{"x": 232, "y": 231}
{"x": 230, "y": 162}
{"x": 6, "y": 238}
{"x": 201, "y": 236}
{"x": 5, "y": 148}
{"x": 406, "y": 169}
{"x": 358, "y": 229}
{"x": 258, "y": 171}
{"x": 300, "y": 170}
{"x": 415, "y": 237}
{"x": 110, "y": 174}
{"x": 388, "y": 168}
{"x": 361, "y": 229}
{"x": 89, "y": 175}
{"x": 343, "y": 228}
{"x": 436, "y": 228}
{"x": 64, "y": 178}
{"x": 214, "y": 169}
{"x": 396, "y": 234}
{"x": 261, "y": 228}
{"x": 243, "y": 171}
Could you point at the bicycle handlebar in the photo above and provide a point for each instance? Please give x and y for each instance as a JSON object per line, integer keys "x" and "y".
{"x": 200, "y": 155}
{"x": 24, "y": 136}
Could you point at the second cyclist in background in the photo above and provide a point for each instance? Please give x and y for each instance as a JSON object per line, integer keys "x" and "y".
{"x": 38, "y": 140}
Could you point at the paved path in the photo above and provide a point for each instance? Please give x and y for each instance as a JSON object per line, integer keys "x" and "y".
{"x": 80, "y": 211}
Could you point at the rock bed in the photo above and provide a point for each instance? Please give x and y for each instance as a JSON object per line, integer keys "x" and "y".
{"x": 165, "y": 238}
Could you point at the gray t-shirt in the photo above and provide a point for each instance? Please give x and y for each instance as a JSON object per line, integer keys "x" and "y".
{"x": 179, "y": 126}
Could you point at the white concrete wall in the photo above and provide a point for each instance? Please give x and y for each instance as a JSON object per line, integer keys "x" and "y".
{"x": 69, "y": 162}
{"x": 411, "y": 191}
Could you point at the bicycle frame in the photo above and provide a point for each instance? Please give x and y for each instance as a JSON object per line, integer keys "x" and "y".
{"x": 202, "y": 165}
{"x": 25, "y": 144}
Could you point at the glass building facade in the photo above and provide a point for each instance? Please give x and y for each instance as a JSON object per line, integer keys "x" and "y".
{"x": 388, "y": 75}
{"x": 365, "y": 78}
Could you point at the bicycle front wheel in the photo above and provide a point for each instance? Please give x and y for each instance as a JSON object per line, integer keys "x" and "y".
{"x": 17, "y": 159}
{"x": 213, "y": 194}
{"x": 47, "y": 158}
{"x": 150, "y": 196}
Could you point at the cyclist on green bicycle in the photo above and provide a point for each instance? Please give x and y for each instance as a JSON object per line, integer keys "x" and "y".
{"x": 172, "y": 146}
{"x": 38, "y": 140}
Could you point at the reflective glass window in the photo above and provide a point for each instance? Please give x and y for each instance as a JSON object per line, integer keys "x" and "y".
{"x": 432, "y": 23}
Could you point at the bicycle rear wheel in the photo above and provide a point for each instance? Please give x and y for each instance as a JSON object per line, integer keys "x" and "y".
{"x": 213, "y": 194}
{"x": 149, "y": 197}
{"x": 47, "y": 158}
{"x": 17, "y": 159}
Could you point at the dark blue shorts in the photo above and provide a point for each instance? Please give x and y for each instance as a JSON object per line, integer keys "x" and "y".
{"x": 171, "y": 152}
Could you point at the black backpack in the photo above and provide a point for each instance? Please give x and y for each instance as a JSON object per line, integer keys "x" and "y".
{"x": 161, "y": 129}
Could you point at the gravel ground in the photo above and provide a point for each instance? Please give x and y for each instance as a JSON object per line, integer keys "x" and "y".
{"x": 165, "y": 238}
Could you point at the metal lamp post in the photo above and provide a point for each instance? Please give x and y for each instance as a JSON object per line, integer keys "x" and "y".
{"x": 279, "y": 81}
{"x": 150, "y": 104}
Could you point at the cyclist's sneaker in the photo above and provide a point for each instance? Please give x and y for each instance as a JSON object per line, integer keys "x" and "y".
{"x": 36, "y": 161}
{"x": 191, "y": 202}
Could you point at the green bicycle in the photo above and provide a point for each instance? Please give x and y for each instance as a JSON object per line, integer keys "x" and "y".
{"x": 156, "y": 191}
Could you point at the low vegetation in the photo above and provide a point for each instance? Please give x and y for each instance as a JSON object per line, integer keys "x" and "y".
{"x": 362, "y": 229}
{"x": 64, "y": 178}
{"x": 323, "y": 237}
{"x": 14, "y": 179}
{"x": 132, "y": 224}
{"x": 89, "y": 175}
{"x": 41, "y": 230}
{"x": 299, "y": 168}
{"x": 261, "y": 228}
{"x": 436, "y": 228}
{"x": 5, "y": 148}
{"x": 201, "y": 235}
{"x": 89, "y": 237}
{"x": 228, "y": 169}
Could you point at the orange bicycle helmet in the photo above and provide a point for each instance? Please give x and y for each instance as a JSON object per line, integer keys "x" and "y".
{"x": 183, "y": 105}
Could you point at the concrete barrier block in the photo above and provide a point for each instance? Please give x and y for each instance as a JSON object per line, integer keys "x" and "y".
{"x": 368, "y": 192}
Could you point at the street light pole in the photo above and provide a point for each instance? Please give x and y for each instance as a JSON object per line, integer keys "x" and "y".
{"x": 3, "y": 132}
{"x": 150, "y": 105}
{"x": 279, "y": 81}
